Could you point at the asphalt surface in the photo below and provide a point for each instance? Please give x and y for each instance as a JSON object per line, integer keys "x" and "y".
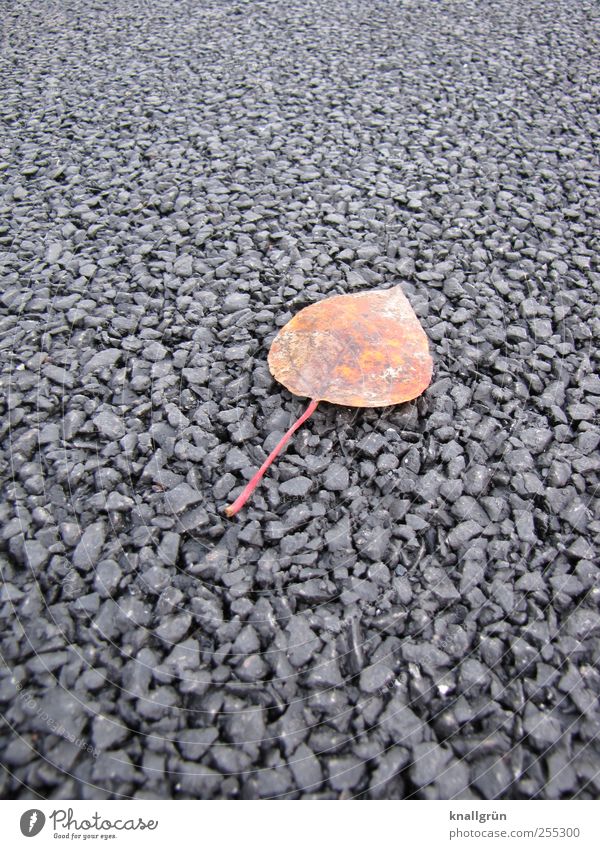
{"x": 408, "y": 607}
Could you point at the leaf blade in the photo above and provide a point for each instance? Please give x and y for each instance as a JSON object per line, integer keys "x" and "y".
{"x": 362, "y": 350}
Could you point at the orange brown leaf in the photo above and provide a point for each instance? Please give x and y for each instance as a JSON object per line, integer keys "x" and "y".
{"x": 361, "y": 350}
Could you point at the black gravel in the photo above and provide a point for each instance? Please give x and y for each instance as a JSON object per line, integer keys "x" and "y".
{"x": 408, "y": 608}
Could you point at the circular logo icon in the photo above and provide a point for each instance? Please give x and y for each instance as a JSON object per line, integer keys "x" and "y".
{"x": 32, "y": 822}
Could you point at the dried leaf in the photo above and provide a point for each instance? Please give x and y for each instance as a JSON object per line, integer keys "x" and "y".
{"x": 361, "y": 350}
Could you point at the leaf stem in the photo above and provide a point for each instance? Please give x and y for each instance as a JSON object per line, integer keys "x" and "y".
{"x": 251, "y": 486}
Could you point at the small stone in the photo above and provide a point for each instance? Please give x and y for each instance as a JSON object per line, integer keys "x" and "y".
{"x": 389, "y": 766}
{"x": 561, "y": 775}
{"x": 583, "y": 623}
{"x": 235, "y": 302}
{"x": 387, "y": 462}
{"x": 371, "y": 445}
{"x": 519, "y": 460}
{"x": 49, "y": 434}
{"x": 375, "y": 677}
{"x": 463, "y": 532}
{"x": 581, "y": 412}
{"x": 18, "y": 752}
{"x": 101, "y": 360}
{"x": 524, "y": 526}
{"x": 541, "y": 329}
{"x": 542, "y": 222}
{"x": 531, "y": 582}
{"x": 466, "y": 507}
{"x": 476, "y": 479}
{"x": 336, "y": 478}
{"x": 252, "y": 668}
{"x": 491, "y": 776}
{"x": 541, "y": 727}
{"x": 155, "y": 579}
{"x": 293, "y": 543}
{"x": 54, "y": 251}
{"x": 168, "y": 549}
{"x": 195, "y": 376}
{"x": 306, "y": 769}
{"x": 230, "y": 760}
{"x": 345, "y": 773}
{"x": 60, "y": 713}
{"x": 183, "y": 266}
{"x": 59, "y": 375}
{"x": 302, "y": 641}
{"x": 154, "y": 352}
{"x": 70, "y": 533}
{"x": 114, "y": 768}
{"x": 87, "y": 269}
{"x": 307, "y": 175}
{"x": 429, "y": 760}
{"x": 193, "y": 519}
{"x": 251, "y": 534}
{"x": 181, "y": 497}
{"x": 89, "y": 547}
{"x": 223, "y": 486}
{"x": 247, "y": 728}
{"x": 193, "y": 743}
{"x": 109, "y": 424}
{"x": 581, "y": 549}
{"x": 536, "y": 439}
{"x": 107, "y": 577}
{"x": 246, "y": 642}
{"x": 373, "y": 543}
{"x": 173, "y": 628}
{"x": 72, "y": 423}
{"x": 118, "y": 502}
{"x": 576, "y": 514}
{"x": 339, "y": 537}
{"x": 36, "y": 555}
{"x": 529, "y": 307}
{"x": 453, "y": 781}
{"x": 588, "y": 441}
{"x": 236, "y": 460}
{"x": 401, "y": 725}
{"x": 108, "y": 731}
{"x": 297, "y": 487}
{"x": 441, "y": 585}
{"x": 567, "y": 584}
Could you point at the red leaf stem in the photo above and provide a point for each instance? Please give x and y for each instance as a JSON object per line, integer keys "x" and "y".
{"x": 251, "y": 486}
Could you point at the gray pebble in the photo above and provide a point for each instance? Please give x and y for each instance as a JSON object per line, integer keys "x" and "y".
{"x": 173, "y": 628}
{"x": 109, "y": 424}
{"x": 429, "y": 761}
{"x": 345, "y": 773}
{"x": 181, "y": 497}
{"x": 103, "y": 359}
{"x": 336, "y": 478}
{"x": 36, "y": 555}
{"x": 302, "y": 642}
{"x": 107, "y": 577}
{"x": 183, "y": 266}
{"x": 297, "y": 487}
{"x": 155, "y": 352}
{"x": 90, "y": 545}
